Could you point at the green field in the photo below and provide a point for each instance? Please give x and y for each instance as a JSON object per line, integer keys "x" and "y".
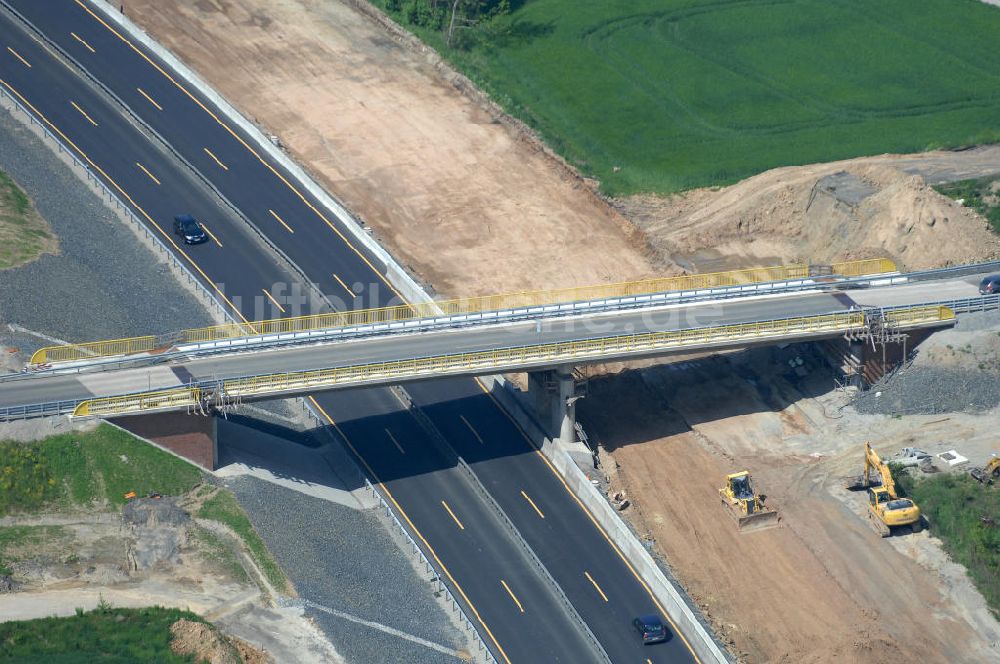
{"x": 965, "y": 515}
{"x": 686, "y": 93}
{"x": 86, "y": 469}
{"x": 104, "y": 635}
{"x": 23, "y": 233}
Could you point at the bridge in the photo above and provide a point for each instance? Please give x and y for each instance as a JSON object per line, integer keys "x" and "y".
{"x": 542, "y": 331}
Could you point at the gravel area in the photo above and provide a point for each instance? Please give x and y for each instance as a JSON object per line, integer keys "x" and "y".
{"x": 953, "y": 371}
{"x": 345, "y": 560}
{"x": 104, "y": 284}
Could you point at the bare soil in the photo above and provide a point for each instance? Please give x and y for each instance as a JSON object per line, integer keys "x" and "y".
{"x": 822, "y": 587}
{"x": 457, "y": 195}
{"x": 208, "y": 645}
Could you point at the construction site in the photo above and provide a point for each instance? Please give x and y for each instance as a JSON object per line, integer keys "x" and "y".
{"x": 763, "y": 480}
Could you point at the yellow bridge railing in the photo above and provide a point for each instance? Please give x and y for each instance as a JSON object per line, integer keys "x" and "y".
{"x": 501, "y": 359}
{"x": 136, "y": 403}
{"x": 333, "y": 320}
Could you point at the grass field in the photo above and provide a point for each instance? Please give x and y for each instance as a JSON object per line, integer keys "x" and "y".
{"x": 678, "y": 94}
{"x": 965, "y": 515}
{"x": 104, "y": 635}
{"x": 981, "y": 194}
{"x": 82, "y": 469}
{"x": 23, "y": 233}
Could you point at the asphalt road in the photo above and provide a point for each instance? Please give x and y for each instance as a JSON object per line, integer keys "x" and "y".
{"x": 515, "y": 609}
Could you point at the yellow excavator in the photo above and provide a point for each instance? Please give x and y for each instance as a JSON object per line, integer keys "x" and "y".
{"x": 989, "y": 473}
{"x": 886, "y": 510}
{"x": 745, "y": 504}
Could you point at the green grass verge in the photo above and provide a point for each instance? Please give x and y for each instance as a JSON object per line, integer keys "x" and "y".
{"x": 102, "y": 636}
{"x": 224, "y": 508}
{"x": 216, "y": 550}
{"x": 666, "y": 95}
{"x": 965, "y": 515}
{"x": 84, "y": 469}
{"x": 979, "y": 195}
{"x": 24, "y": 235}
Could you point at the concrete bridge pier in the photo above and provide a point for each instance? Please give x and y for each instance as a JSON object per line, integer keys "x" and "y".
{"x": 552, "y": 393}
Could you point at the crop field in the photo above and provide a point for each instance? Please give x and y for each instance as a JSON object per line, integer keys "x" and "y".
{"x": 667, "y": 95}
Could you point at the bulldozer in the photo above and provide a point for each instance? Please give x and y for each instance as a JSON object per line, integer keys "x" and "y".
{"x": 746, "y": 505}
{"x": 886, "y": 510}
{"x": 989, "y": 473}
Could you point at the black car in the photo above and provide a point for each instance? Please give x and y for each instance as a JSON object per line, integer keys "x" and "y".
{"x": 990, "y": 285}
{"x": 650, "y": 628}
{"x": 189, "y": 229}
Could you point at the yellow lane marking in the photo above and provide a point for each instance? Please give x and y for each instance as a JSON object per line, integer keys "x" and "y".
{"x": 345, "y": 286}
{"x": 532, "y": 503}
{"x": 146, "y": 171}
{"x": 83, "y": 113}
{"x": 512, "y": 595}
{"x": 217, "y": 160}
{"x": 275, "y": 302}
{"x": 18, "y": 56}
{"x": 169, "y": 238}
{"x": 246, "y": 145}
{"x": 83, "y": 41}
{"x": 474, "y": 432}
{"x": 593, "y": 520}
{"x": 395, "y": 442}
{"x": 211, "y": 235}
{"x": 649, "y": 661}
{"x": 591, "y": 579}
{"x": 409, "y": 522}
{"x": 453, "y": 515}
{"x": 149, "y": 99}
{"x": 280, "y": 220}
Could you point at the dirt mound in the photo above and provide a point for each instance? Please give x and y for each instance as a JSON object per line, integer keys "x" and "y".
{"x": 844, "y": 210}
{"x": 209, "y": 645}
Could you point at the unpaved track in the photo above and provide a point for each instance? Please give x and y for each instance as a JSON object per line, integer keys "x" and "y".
{"x": 454, "y": 193}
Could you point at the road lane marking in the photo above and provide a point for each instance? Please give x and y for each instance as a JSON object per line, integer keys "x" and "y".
{"x": 18, "y": 56}
{"x": 83, "y": 113}
{"x": 345, "y": 286}
{"x": 211, "y": 234}
{"x": 453, "y": 515}
{"x": 649, "y": 661}
{"x": 83, "y": 41}
{"x": 146, "y": 171}
{"x": 217, "y": 160}
{"x": 149, "y": 99}
{"x": 250, "y": 149}
{"x": 474, "y": 432}
{"x": 512, "y": 595}
{"x": 532, "y": 503}
{"x": 280, "y": 220}
{"x": 169, "y": 238}
{"x": 413, "y": 527}
{"x": 271, "y": 297}
{"x": 591, "y": 579}
{"x": 395, "y": 442}
{"x": 593, "y": 519}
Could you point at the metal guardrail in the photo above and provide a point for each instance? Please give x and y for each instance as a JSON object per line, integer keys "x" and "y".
{"x": 186, "y": 397}
{"x": 475, "y": 305}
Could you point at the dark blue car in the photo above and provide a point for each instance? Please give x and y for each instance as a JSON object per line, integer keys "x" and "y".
{"x": 188, "y": 228}
{"x": 650, "y": 628}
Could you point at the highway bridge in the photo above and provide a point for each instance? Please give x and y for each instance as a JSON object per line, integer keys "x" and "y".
{"x": 162, "y": 144}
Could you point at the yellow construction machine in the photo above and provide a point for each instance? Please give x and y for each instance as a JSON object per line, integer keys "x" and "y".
{"x": 745, "y": 504}
{"x": 989, "y": 473}
{"x": 886, "y": 510}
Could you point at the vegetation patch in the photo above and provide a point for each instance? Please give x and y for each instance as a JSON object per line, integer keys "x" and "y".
{"x": 24, "y": 235}
{"x": 19, "y": 542}
{"x": 222, "y": 507}
{"x": 980, "y": 194}
{"x": 106, "y": 635}
{"x": 215, "y": 549}
{"x": 86, "y": 469}
{"x": 965, "y": 515}
{"x": 666, "y": 95}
